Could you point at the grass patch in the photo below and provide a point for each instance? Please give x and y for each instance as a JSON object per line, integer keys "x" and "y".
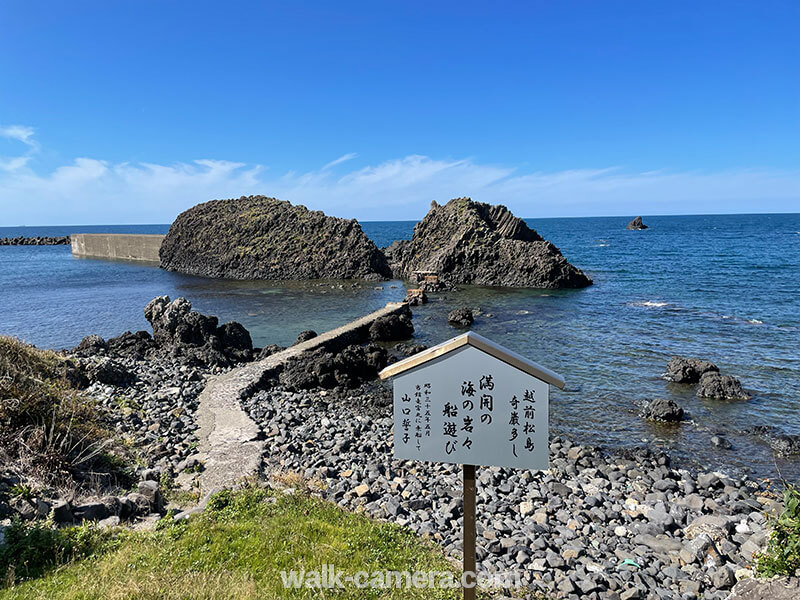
{"x": 47, "y": 428}
{"x": 782, "y": 556}
{"x": 237, "y": 549}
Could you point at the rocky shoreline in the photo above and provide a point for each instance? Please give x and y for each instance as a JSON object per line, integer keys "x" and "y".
{"x": 603, "y": 524}
{"x": 63, "y": 240}
{"x": 599, "y": 524}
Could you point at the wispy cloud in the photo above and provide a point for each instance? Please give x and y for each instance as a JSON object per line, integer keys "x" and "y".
{"x": 340, "y": 160}
{"x": 89, "y": 190}
{"x": 19, "y": 133}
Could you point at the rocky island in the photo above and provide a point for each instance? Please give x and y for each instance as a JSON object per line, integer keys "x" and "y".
{"x": 256, "y": 237}
{"x": 481, "y": 244}
{"x": 636, "y": 224}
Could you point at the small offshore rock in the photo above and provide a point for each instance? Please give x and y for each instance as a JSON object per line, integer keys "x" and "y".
{"x": 636, "y": 224}
{"x": 723, "y": 387}
{"x": 721, "y": 442}
{"x": 688, "y": 370}
{"x": 460, "y": 317}
{"x": 662, "y": 409}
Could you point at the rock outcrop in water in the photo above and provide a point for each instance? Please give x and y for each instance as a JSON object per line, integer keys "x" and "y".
{"x": 723, "y": 387}
{"x": 688, "y": 370}
{"x": 636, "y": 224}
{"x": 256, "y": 237}
{"x": 482, "y": 244}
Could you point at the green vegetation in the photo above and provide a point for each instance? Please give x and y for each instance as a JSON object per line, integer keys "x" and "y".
{"x": 782, "y": 556}
{"x": 46, "y": 427}
{"x": 235, "y": 550}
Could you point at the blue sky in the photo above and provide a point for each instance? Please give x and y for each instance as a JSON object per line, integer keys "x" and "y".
{"x": 133, "y": 111}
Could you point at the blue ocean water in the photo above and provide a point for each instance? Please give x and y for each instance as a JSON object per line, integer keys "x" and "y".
{"x": 719, "y": 287}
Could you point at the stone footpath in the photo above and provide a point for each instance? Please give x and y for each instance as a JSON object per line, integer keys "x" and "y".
{"x": 229, "y": 442}
{"x": 596, "y": 525}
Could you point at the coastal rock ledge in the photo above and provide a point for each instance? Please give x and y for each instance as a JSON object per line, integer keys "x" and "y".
{"x": 255, "y": 237}
{"x": 482, "y": 244}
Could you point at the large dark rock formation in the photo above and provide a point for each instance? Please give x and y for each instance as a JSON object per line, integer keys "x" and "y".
{"x": 636, "y": 224}
{"x": 476, "y": 243}
{"x": 256, "y": 237}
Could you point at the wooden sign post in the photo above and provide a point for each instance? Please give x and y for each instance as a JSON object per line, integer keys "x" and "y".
{"x": 472, "y": 402}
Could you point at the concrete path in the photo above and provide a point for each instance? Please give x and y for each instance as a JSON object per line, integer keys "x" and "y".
{"x": 228, "y": 438}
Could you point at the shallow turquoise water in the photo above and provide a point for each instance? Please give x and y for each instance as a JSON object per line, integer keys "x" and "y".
{"x": 720, "y": 287}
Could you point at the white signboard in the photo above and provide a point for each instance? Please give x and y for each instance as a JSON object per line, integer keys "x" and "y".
{"x": 469, "y": 407}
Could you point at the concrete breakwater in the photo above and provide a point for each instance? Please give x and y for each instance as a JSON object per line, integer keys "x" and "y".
{"x": 119, "y": 246}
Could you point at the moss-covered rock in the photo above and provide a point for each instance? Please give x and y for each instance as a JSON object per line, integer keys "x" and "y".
{"x": 256, "y": 237}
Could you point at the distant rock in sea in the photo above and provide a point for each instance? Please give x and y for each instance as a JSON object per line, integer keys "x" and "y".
{"x": 255, "y": 237}
{"x": 636, "y": 224}
{"x": 482, "y": 244}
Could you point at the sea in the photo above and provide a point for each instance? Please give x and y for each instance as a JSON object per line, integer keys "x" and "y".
{"x": 720, "y": 287}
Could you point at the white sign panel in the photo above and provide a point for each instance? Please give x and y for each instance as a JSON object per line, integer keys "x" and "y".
{"x": 468, "y": 407}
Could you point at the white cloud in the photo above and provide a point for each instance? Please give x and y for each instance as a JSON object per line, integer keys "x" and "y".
{"x": 88, "y": 191}
{"x": 23, "y": 134}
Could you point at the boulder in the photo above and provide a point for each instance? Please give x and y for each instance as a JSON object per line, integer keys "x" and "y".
{"x": 415, "y": 297}
{"x": 131, "y": 345}
{"x": 724, "y": 387}
{"x": 256, "y": 237}
{"x": 110, "y": 372}
{"x": 636, "y": 224}
{"x": 777, "y": 588}
{"x": 304, "y": 336}
{"x": 268, "y": 351}
{"x": 90, "y": 346}
{"x": 460, "y": 317}
{"x": 687, "y": 370}
{"x": 140, "y": 502}
{"x": 409, "y": 349}
{"x": 392, "y": 327}
{"x": 91, "y": 511}
{"x": 662, "y": 409}
{"x": 151, "y": 491}
{"x": 781, "y": 443}
{"x": 61, "y": 512}
{"x": 320, "y": 369}
{"x": 477, "y": 243}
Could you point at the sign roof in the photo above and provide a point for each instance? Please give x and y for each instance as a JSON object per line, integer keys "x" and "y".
{"x": 481, "y": 343}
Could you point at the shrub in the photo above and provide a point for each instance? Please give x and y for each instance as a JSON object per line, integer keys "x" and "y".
{"x": 782, "y": 556}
